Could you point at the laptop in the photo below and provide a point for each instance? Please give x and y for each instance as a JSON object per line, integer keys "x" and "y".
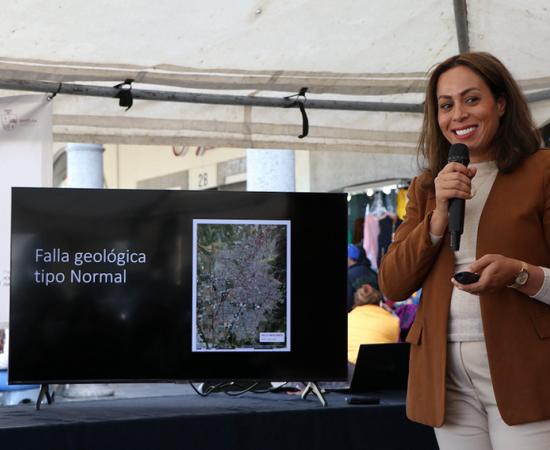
{"x": 380, "y": 367}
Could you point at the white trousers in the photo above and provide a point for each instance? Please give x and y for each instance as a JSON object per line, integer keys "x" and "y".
{"x": 472, "y": 420}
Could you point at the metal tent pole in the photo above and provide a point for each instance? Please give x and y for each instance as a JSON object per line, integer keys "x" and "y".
{"x": 213, "y": 99}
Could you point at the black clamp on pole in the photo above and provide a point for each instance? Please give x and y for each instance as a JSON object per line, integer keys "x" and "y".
{"x": 300, "y": 102}
{"x": 124, "y": 95}
{"x": 53, "y": 94}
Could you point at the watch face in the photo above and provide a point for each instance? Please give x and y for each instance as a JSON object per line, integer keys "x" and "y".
{"x": 522, "y": 277}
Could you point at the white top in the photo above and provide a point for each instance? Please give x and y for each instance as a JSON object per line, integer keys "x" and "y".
{"x": 465, "y": 313}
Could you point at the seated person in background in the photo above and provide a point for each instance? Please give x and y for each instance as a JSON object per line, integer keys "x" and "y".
{"x": 368, "y": 322}
{"x": 359, "y": 272}
{"x": 406, "y": 311}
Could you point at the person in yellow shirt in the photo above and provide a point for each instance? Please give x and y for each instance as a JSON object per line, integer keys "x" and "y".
{"x": 368, "y": 322}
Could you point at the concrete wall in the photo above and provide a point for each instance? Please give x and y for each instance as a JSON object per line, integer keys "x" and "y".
{"x": 133, "y": 166}
{"x": 334, "y": 170}
{"x": 126, "y": 166}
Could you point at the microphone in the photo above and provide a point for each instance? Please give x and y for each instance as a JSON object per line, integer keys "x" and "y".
{"x": 461, "y": 154}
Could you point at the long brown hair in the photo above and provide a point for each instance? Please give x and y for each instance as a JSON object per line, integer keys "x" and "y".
{"x": 516, "y": 138}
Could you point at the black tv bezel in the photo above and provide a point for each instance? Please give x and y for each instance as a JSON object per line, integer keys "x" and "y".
{"x": 291, "y": 372}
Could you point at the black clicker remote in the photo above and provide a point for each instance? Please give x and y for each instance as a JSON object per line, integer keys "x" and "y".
{"x": 466, "y": 277}
{"x": 362, "y": 400}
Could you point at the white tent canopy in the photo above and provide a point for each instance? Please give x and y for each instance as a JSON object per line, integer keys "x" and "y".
{"x": 354, "y": 50}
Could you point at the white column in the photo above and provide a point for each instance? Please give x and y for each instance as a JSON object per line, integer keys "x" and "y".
{"x": 84, "y": 165}
{"x": 270, "y": 170}
{"x": 25, "y": 160}
{"x": 85, "y": 170}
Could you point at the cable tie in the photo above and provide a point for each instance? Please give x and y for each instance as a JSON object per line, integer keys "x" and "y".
{"x": 300, "y": 102}
{"x": 53, "y": 94}
{"x": 124, "y": 95}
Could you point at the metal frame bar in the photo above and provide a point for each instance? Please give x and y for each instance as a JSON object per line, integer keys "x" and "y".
{"x": 213, "y": 99}
{"x": 217, "y": 99}
{"x": 461, "y": 21}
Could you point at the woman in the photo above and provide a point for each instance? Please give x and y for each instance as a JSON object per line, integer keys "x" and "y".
{"x": 480, "y": 353}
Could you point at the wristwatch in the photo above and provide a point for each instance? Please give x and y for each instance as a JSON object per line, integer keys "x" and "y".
{"x": 521, "y": 277}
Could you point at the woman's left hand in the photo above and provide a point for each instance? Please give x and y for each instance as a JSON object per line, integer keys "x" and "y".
{"x": 496, "y": 272}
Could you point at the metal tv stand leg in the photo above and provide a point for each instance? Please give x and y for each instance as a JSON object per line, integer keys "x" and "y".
{"x": 313, "y": 388}
{"x": 44, "y": 390}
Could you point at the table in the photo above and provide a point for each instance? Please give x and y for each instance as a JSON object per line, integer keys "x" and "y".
{"x": 271, "y": 421}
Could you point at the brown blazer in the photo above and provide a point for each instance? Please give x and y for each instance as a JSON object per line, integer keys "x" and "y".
{"x": 515, "y": 222}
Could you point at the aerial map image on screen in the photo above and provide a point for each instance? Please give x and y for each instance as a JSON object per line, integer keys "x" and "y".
{"x": 241, "y": 285}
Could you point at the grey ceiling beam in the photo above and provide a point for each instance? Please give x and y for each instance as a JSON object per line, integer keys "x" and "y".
{"x": 212, "y": 99}
{"x": 216, "y": 99}
{"x": 538, "y": 96}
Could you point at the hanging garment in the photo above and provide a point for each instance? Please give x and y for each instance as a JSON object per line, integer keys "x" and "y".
{"x": 371, "y": 231}
{"x": 401, "y": 203}
{"x": 358, "y": 230}
{"x": 387, "y": 226}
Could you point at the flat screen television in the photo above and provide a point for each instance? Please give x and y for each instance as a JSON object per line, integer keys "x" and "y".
{"x": 151, "y": 285}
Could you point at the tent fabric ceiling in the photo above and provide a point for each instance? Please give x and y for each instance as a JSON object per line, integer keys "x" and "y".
{"x": 345, "y": 50}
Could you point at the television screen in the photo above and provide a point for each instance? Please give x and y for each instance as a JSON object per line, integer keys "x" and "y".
{"x": 145, "y": 285}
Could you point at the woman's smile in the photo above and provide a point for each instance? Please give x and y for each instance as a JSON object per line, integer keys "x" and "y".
{"x": 465, "y": 132}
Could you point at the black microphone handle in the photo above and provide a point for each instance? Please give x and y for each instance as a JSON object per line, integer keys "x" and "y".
{"x": 456, "y": 221}
{"x": 461, "y": 154}
{"x": 455, "y": 241}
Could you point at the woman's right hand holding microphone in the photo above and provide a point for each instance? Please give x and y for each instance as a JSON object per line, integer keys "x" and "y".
{"x": 454, "y": 181}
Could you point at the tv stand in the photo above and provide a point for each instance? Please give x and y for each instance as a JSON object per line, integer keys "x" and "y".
{"x": 313, "y": 388}
{"x": 44, "y": 391}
